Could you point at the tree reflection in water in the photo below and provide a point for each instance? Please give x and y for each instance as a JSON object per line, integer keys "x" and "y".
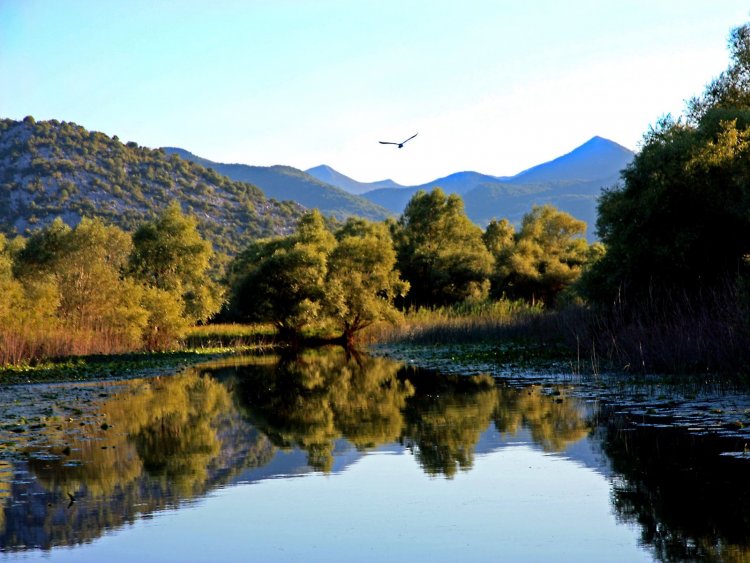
{"x": 555, "y": 420}
{"x": 149, "y": 444}
{"x": 144, "y": 445}
{"x": 310, "y": 400}
{"x": 691, "y": 503}
{"x": 445, "y": 419}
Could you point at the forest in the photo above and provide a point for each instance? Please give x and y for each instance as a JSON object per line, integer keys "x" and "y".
{"x": 671, "y": 271}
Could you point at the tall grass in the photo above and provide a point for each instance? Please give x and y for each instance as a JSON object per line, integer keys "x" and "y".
{"x": 230, "y": 335}
{"x": 677, "y": 333}
{"x": 465, "y": 322}
{"x": 33, "y": 346}
{"x": 706, "y": 332}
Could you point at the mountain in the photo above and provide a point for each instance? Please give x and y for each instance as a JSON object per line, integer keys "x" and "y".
{"x": 54, "y": 169}
{"x": 287, "y": 183}
{"x": 330, "y": 176}
{"x": 459, "y": 183}
{"x": 571, "y": 182}
{"x": 596, "y": 158}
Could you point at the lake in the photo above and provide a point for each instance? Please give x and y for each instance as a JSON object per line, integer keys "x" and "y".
{"x": 329, "y": 456}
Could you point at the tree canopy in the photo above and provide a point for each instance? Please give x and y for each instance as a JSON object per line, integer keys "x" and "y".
{"x": 362, "y": 282}
{"x": 681, "y": 218}
{"x": 169, "y": 254}
{"x": 440, "y": 252}
{"x": 313, "y": 275}
{"x": 546, "y": 255}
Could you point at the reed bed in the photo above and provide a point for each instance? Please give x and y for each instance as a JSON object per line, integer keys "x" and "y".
{"x": 30, "y": 347}
{"x": 230, "y": 335}
{"x": 677, "y": 334}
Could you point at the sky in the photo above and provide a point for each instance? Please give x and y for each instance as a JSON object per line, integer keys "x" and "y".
{"x": 493, "y": 86}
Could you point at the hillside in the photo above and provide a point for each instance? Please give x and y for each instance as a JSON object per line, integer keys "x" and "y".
{"x": 52, "y": 168}
{"x": 330, "y": 176}
{"x": 287, "y": 183}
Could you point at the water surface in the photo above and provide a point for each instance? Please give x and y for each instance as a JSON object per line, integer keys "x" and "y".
{"x": 326, "y": 456}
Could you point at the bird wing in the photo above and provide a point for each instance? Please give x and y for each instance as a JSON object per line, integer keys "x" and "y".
{"x": 387, "y": 143}
{"x": 410, "y": 138}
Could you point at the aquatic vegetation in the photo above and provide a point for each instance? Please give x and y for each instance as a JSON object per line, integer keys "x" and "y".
{"x": 107, "y": 367}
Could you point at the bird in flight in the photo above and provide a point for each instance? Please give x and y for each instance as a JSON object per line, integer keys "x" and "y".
{"x": 401, "y": 144}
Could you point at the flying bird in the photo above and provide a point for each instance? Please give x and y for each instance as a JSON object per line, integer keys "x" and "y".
{"x": 401, "y": 144}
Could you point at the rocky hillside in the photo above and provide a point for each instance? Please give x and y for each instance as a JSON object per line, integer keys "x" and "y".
{"x": 54, "y": 169}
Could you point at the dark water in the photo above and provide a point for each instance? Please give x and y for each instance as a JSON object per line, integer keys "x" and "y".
{"x": 329, "y": 457}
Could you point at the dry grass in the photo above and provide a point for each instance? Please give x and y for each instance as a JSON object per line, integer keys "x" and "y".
{"x": 22, "y": 347}
{"x": 679, "y": 334}
{"x": 230, "y": 335}
{"x": 462, "y": 323}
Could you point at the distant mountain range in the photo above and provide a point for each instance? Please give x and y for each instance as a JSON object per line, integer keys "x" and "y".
{"x": 330, "y": 176}
{"x": 287, "y": 183}
{"x": 54, "y": 169}
{"x": 571, "y": 182}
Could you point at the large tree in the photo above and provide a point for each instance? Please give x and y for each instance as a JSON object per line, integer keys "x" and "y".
{"x": 440, "y": 251}
{"x": 362, "y": 282}
{"x": 546, "y": 255}
{"x": 282, "y": 280}
{"x": 170, "y": 255}
{"x": 681, "y": 218}
{"x": 312, "y": 276}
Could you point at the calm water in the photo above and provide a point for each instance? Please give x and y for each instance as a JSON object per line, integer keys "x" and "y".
{"x": 329, "y": 457}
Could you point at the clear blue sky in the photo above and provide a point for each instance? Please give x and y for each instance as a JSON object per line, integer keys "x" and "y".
{"x": 494, "y": 86}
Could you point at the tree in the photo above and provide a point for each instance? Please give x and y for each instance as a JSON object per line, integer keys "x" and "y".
{"x": 680, "y": 220}
{"x": 547, "y": 255}
{"x": 731, "y": 90}
{"x": 85, "y": 267}
{"x": 440, "y": 251}
{"x": 169, "y": 254}
{"x": 362, "y": 283}
{"x": 500, "y": 239}
{"x": 282, "y": 280}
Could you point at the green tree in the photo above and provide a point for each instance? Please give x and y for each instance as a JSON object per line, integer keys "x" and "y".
{"x": 500, "y": 239}
{"x": 85, "y": 266}
{"x": 680, "y": 220}
{"x": 362, "y": 283}
{"x": 440, "y": 251}
{"x": 548, "y": 254}
{"x": 731, "y": 90}
{"x": 169, "y": 254}
{"x": 282, "y": 280}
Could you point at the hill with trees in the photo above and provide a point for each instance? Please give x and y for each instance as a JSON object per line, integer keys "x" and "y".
{"x": 288, "y": 183}
{"x": 53, "y": 168}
